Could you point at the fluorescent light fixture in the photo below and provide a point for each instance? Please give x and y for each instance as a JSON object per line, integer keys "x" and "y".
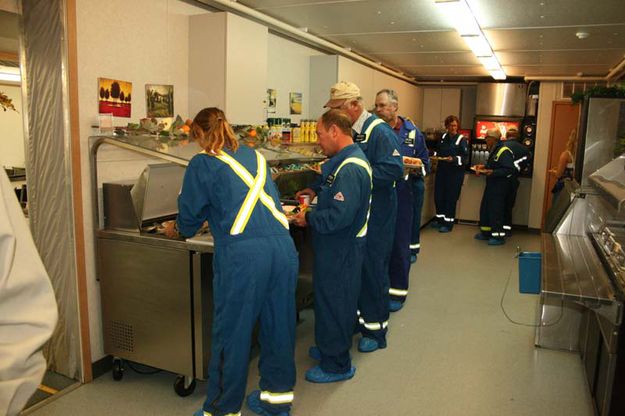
{"x": 498, "y": 74}
{"x": 479, "y": 45}
{"x": 9, "y": 73}
{"x": 490, "y": 63}
{"x": 460, "y": 14}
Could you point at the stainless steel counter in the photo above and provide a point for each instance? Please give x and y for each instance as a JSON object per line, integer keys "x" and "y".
{"x": 203, "y": 243}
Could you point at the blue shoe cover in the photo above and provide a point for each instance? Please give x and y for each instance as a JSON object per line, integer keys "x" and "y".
{"x": 199, "y": 413}
{"x": 496, "y": 242}
{"x": 435, "y": 224}
{"x": 481, "y": 237}
{"x": 253, "y": 403}
{"x": 444, "y": 229}
{"x": 314, "y": 353}
{"x": 317, "y": 375}
{"x": 413, "y": 258}
{"x": 369, "y": 345}
{"x": 395, "y": 305}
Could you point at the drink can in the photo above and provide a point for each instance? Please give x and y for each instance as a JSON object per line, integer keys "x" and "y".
{"x": 304, "y": 200}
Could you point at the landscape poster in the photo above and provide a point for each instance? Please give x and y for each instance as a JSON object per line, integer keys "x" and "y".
{"x": 115, "y": 97}
{"x": 159, "y": 100}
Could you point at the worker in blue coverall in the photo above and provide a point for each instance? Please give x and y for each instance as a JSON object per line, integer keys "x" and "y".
{"x": 499, "y": 171}
{"x": 339, "y": 226}
{"x": 418, "y": 193}
{"x": 522, "y": 157}
{"x": 255, "y": 268}
{"x": 386, "y": 106}
{"x": 452, "y": 155}
{"x": 380, "y": 145}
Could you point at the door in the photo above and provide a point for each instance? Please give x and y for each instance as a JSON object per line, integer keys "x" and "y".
{"x": 564, "y": 119}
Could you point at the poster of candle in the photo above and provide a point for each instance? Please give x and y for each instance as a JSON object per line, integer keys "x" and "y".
{"x": 114, "y": 97}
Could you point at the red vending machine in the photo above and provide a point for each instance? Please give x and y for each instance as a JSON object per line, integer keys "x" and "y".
{"x": 478, "y": 151}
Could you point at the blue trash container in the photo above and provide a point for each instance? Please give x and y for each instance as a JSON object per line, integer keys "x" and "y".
{"x": 529, "y": 272}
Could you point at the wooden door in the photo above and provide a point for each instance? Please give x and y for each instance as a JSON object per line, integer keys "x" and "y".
{"x": 564, "y": 119}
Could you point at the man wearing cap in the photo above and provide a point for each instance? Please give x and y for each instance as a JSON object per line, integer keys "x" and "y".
{"x": 381, "y": 146}
{"x": 410, "y": 190}
{"x": 499, "y": 171}
{"x": 521, "y": 160}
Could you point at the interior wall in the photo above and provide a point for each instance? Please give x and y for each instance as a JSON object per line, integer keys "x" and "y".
{"x": 288, "y": 70}
{"x": 410, "y": 96}
{"x": 144, "y": 42}
{"x": 549, "y": 92}
{"x": 12, "y": 128}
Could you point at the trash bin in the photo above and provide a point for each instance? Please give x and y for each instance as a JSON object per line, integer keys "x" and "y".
{"x": 529, "y": 272}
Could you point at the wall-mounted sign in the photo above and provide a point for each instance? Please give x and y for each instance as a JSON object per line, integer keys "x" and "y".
{"x": 295, "y": 102}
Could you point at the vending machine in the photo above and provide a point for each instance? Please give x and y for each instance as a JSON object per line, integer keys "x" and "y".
{"x": 478, "y": 151}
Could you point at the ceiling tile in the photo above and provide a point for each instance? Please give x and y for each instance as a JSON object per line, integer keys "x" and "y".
{"x": 555, "y": 70}
{"x": 436, "y": 59}
{"x": 392, "y": 43}
{"x": 604, "y": 58}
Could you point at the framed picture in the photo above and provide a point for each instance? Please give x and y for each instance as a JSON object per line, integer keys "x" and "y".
{"x": 159, "y": 100}
{"x": 295, "y": 102}
{"x": 115, "y": 97}
{"x": 271, "y": 100}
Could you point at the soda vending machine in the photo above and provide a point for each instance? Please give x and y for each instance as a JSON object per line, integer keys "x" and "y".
{"x": 478, "y": 151}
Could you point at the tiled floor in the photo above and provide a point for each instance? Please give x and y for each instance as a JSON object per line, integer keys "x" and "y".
{"x": 451, "y": 352}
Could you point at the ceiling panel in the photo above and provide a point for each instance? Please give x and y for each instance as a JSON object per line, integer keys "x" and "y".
{"x": 434, "y": 71}
{"x": 557, "y": 38}
{"x": 532, "y": 13}
{"x": 439, "y": 59}
{"x": 392, "y": 43}
{"x": 556, "y": 70}
{"x": 596, "y": 57}
{"x": 366, "y": 16}
{"x": 269, "y": 4}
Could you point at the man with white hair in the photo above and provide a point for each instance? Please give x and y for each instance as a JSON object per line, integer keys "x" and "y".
{"x": 380, "y": 145}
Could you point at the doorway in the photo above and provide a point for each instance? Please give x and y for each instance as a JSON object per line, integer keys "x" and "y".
{"x": 564, "y": 121}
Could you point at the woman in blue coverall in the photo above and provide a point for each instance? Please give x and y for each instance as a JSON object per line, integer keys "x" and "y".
{"x": 255, "y": 268}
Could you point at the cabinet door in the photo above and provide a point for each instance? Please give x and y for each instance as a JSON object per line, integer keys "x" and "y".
{"x": 432, "y": 108}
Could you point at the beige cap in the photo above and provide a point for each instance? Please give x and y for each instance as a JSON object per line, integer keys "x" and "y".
{"x": 342, "y": 91}
{"x": 494, "y": 133}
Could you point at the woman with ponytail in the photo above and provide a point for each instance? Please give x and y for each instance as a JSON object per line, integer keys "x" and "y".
{"x": 255, "y": 268}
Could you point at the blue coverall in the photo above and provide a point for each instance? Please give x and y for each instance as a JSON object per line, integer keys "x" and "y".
{"x": 379, "y": 143}
{"x": 255, "y": 268}
{"x": 399, "y": 266}
{"x": 339, "y": 224}
{"x": 521, "y": 156}
{"x": 418, "y": 190}
{"x": 493, "y": 205}
{"x": 449, "y": 177}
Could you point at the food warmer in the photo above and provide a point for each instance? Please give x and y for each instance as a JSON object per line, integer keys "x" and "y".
{"x": 583, "y": 285}
{"x": 156, "y": 293}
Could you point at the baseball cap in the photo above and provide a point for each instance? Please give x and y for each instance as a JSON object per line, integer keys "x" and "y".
{"x": 340, "y": 92}
{"x": 494, "y": 133}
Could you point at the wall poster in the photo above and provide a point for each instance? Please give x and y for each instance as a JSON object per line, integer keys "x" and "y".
{"x": 114, "y": 97}
{"x": 295, "y": 102}
{"x": 159, "y": 100}
{"x": 271, "y": 100}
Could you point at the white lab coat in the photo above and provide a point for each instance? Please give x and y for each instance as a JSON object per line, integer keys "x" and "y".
{"x": 28, "y": 311}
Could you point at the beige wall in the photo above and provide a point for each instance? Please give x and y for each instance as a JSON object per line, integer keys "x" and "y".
{"x": 12, "y": 128}
{"x": 549, "y": 92}
{"x": 141, "y": 41}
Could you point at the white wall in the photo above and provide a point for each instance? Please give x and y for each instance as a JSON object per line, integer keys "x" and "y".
{"x": 12, "y": 128}
{"x": 410, "y": 96}
{"x": 288, "y": 70}
{"x": 141, "y": 41}
{"x": 549, "y": 92}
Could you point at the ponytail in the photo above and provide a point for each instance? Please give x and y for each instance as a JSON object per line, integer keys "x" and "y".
{"x": 213, "y": 132}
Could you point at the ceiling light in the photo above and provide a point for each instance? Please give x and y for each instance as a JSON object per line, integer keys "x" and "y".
{"x": 582, "y": 35}
{"x": 460, "y": 14}
{"x": 498, "y": 74}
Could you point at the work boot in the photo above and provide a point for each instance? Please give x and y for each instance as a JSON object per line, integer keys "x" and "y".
{"x": 481, "y": 236}
{"x": 317, "y": 375}
{"x": 444, "y": 229}
{"x": 394, "y": 305}
{"x": 369, "y": 345}
{"x": 413, "y": 258}
{"x": 314, "y": 353}
{"x": 435, "y": 224}
{"x": 253, "y": 403}
{"x": 496, "y": 241}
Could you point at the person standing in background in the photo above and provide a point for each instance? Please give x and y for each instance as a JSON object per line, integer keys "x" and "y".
{"x": 521, "y": 158}
{"x": 566, "y": 164}
{"x": 339, "y": 227}
{"x": 499, "y": 171}
{"x": 452, "y": 155}
{"x": 378, "y": 142}
{"x": 28, "y": 311}
{"x": 386, "y": 106}
{"x": 255, "y": 268}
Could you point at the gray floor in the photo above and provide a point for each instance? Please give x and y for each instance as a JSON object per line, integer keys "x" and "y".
{"x": 451, "y": 352}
